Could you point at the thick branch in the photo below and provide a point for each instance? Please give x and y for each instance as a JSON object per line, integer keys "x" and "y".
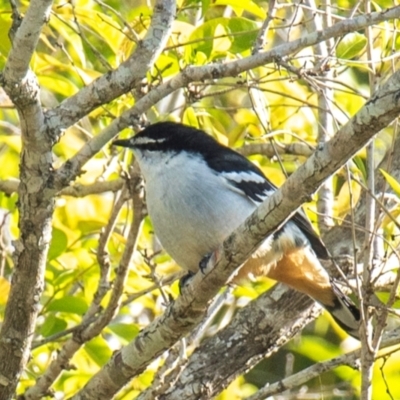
{"x": 202, "y": 364}
{"x": 36, "y": 203}
{"x": 25, "y": 41}
{"x": 267, "y": 149}
{"x": 72, "y": 167}
{"x": 120, "y": 81}
{"x": 351, "y": 359}
{"x": 188, "y": 309}
{"x": 9, "y": 186}
{"x": 78, "y": 190}
{"x": 95, "y": 320}
{"x": 339, "y": 238}
{"x": 257, "y": 331}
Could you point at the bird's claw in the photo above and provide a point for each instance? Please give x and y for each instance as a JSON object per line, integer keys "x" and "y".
{"x": 185, "y": 280}
{"x": 204, "y": 262}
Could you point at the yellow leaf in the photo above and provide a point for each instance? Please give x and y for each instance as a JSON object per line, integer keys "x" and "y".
{"x": 4, "y": 290}
{"x": 394, "y": 184}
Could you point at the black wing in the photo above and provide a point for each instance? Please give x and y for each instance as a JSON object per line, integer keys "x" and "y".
{"x": 257, "y": 187}
{"x": 242, "y": 174}
{"x": 304, "y": 224}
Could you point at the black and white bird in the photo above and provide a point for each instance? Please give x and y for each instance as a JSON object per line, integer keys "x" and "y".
{"x": 198, "y": 191}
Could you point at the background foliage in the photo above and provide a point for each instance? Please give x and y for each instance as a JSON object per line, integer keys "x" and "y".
{"x": 276, "y": 105}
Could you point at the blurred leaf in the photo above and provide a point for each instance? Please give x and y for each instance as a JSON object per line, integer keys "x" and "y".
{"x": 317, "y": 349}
{"x": 238, "y": 34}
{"x": 64, "y": 278}
{"x": 394, "y": 184}
{"x": 351, "y": 45}
{"x": 14, "y": 142}
{"x": 167, "y": 65}
{"x": 190, "y": 118}
{"x": 243, "y": 5}
{"x": 90, "y": 226}
{"x": 384, "y": 298}
{"x": 5, "y": 44}
{"x": 205, "y": 4}
{"x": 126, "y": 331}
{"x": 343, "y": 201}
{"x": 245, "y": 32}
{"x": 360, "y": 163}
{"x": 10, "y": 160}
{"x": 58, "y": 84}
{"x": 69, "y": 304}
{"x": 98, "y": 350}
{"x": 4, "y": 290}
{"x": 105, "y": 26}
{"x": 52, "y": 325}
{"x": 58, "y": 244}
{"x": 89, "y": 214}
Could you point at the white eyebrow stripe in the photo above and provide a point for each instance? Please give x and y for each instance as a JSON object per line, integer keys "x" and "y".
{"x": 143, "y": 140}
{"x": 243, "y": 177}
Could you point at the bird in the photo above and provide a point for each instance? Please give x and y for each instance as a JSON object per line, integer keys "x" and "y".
{"x": 199, "y": 191}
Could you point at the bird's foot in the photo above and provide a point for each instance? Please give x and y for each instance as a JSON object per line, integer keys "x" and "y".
{"x": 185, "y": 280}
{"x": 208, "y": 259}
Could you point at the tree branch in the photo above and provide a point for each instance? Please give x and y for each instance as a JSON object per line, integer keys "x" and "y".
{"x": 257, "y": 331}
{"x": 10, "y": 186}
{"x": 190, "y": 307}
{"x": 269, "y": 150}
{"x": 351, "y": 359}
{"x": 36, "y": 202}
{"x": 340, "y": 236}
{"x": 120, "y": 81}
{"x": 24, "y": 43}
{"x": 70, "y": 169}
{"x": 94, "y": 321}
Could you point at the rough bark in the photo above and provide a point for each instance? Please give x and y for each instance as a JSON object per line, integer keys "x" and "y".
{"x": 190, "y": 307}
{"x": 36, "y": 203}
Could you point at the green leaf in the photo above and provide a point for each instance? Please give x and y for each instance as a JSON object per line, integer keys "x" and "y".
{"x": 360, "y": 163}
{"x": 394, "y": 184}
{"x": 245, "y": 34}
{"x": 5, "y": 44}
{"x": 126, "y": 331}
{"x": 317, "y": 349}
{"x": 384, "y": 298}
{"x": 69, "y": 304}
{"x": 90, "y": 226}
{"x": 190, "y": 118}
{"x": 98, "y": 350}
{"x": 351, "y": 46}
{"x": 62, "y": 278}
{"x": 58, "y": 84}
{"x": 4, "y": 290}
{"x": 205, "y": 5}
{"x": 58, "y": 245}
{"x": 52, "y": 325}
{"x": 13, "y": 142}
{"x": 221, "y": 35}
{"x": 243, "y": 5}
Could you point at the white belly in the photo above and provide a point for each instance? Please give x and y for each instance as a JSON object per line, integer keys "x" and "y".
{"x": 190, "y": 223}
{"x": 193, "y": 212}
{"x": 189, "y": 235}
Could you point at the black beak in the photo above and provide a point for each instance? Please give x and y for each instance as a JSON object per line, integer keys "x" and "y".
{"x": 122, "y": 143}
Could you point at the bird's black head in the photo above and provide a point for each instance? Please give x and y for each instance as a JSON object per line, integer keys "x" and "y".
{"x": 170, "y": 137}
{"x": 159, "y": 143}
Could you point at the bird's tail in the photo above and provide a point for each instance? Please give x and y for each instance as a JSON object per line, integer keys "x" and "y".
{"x": 302, "y": 270}
{"x": 344, "y": 311}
